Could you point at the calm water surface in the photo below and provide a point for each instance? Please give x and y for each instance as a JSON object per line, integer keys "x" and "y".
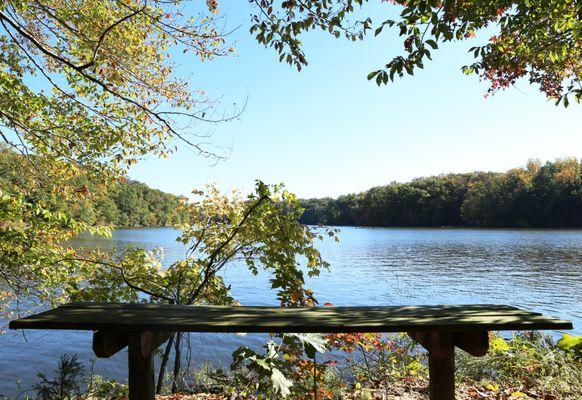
{"x": 535, "y": 269}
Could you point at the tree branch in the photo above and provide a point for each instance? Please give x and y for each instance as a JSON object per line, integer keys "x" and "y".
{"x": 126, "y": 280}
{"x": 105, "y": 32}
{"x": 208, "y": 269}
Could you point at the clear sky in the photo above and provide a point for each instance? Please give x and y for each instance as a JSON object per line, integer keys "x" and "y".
{"x": 328, "y": 131}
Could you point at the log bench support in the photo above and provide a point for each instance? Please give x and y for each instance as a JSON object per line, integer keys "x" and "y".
{"x": 140, "y": 358}
{"x": 141, "y": 344}
{"x": 441, "y": 357}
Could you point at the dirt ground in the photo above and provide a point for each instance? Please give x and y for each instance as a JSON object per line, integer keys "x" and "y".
{"x": 420, "y": 393}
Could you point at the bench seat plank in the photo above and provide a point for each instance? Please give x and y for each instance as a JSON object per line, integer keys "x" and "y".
{"x": 170, "y": 318}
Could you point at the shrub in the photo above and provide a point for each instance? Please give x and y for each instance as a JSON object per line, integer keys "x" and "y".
{"x": 66, "y": 384}
{"x": 528, "y": 362}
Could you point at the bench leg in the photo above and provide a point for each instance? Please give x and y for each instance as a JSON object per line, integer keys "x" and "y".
{"x": 141, "y": 370}
{"x": 441, "y": 371}
{"x": 441, "y": 362}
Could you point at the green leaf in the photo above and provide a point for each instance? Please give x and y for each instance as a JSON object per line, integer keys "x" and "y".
{"x": 312, "y": 343}
{"x": 372, "y": 74}
{"x": 281, "y": 384}
{"x": 409, "y": 69}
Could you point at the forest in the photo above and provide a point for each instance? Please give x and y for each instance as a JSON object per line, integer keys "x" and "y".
{"x": 537, "y": 195}
{"x": 123, "y": 203}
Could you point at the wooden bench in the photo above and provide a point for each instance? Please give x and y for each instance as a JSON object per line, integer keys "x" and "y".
{"x": 144, "y": 327}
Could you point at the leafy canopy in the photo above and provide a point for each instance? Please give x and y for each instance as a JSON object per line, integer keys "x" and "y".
{"x": 537, "y": 39}
{"x": 91, "y": 83}
{"x": 86, "y": 89}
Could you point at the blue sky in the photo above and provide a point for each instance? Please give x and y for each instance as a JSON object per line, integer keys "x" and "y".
{"x": 327, "y": 131}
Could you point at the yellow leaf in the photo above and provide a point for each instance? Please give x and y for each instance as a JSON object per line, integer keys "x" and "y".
{"x": 492, "y": 387}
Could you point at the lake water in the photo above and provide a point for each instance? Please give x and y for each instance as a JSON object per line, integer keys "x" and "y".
{"x": 536, "y": 269}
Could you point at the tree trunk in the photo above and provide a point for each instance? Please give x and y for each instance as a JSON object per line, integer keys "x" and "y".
{"x": 177, "y": 361}
{"x": 164, "y": 364}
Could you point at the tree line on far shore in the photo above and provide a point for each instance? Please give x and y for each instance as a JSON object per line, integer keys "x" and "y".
{"x": 131, "y": 204}
{"x": 537, "y": 195}
{"x": 124, "y": 202}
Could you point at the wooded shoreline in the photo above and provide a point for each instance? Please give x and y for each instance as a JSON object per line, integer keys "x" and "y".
{"x": 536, "y": 196}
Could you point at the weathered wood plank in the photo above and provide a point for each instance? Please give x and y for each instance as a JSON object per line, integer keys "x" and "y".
{"x": 271, "y": 319}
{"x": 108, "y": 343}
{"x": 158, "y": 305}
{"x": 144, "y": 327}
{"x": 474, "y": 343}
{"x": 434, "y": 310}
{"x": 152, "y": 340}
{"x": 422, "y": 338}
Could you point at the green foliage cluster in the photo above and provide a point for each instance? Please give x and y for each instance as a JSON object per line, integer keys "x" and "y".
{"x": 534, "y": 39}
{"x": 548, "y": 195}
{"x": 71, "y": 382}
{"x": 119, "y": 203}
{"x": 529, "y": 362}
{"x": 572, "y": 345}
{"x": 86, "y": 90}
{"x": 260, "y": 230}
{"x": 527, "y": 365}
{"x": 66, "y": 384}
{"x": 270, "y": 372}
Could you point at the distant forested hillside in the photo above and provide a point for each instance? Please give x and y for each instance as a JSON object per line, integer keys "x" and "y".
{"x": 124, "y": 203}
{"x": 132, "y": 203}
{"x": 538, "y": 195}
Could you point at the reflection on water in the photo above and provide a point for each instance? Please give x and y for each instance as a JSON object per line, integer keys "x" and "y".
{"x": 535, "y": 269}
